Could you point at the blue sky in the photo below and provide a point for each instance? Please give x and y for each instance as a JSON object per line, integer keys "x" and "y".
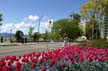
{"x": 20, "y": 14}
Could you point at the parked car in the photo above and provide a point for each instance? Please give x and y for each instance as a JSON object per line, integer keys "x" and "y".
{"x": 82, "y": 38}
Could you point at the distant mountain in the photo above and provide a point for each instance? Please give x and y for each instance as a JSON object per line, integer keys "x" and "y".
{"x": 6, "y": 35}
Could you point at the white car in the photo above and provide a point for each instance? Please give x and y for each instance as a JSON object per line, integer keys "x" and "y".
{"x": 82, "y": 38}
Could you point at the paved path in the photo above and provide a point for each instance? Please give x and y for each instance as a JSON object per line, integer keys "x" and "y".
{"x": 21, "y": 49}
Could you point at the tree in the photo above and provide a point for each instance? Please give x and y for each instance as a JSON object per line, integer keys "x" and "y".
{"x": 73, "y": 30}
{"x": 35, "y": 36}
{"x": 19, "y": 35}
{"x": 67, "y": 28}
{"x": 1, "y": 19}
{"x": 30, "y": 32}
{"x": 60, "y": 27}
{"x": 53, "y": 35}
{"x": 76, "y": 17}
{"x": 95, "y": 9}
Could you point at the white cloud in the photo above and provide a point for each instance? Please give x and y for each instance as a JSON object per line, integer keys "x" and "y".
{"x": 25, "y": 24}
{"x": 18, "y": 26}
{"x": 6, "y": 27}
{"x": 33, "y": 18}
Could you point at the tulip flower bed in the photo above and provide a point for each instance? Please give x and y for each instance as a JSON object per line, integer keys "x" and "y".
{"x": 70, "y": 58}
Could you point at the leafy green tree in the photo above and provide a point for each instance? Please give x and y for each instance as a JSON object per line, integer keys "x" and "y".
{"x": 67, "y": 28}
{"x": 73, "y": 30}
{"x": 46, "y": 35}
{"x": 60, "y": 27}
{"x": 54, "y": 35}
{"x": 30, "y": 32}
{"x": 36, "y": 36}
{"x": 19, "y": 35}
{"x": 95, "y": 10}
{"x": 76, "y": 17}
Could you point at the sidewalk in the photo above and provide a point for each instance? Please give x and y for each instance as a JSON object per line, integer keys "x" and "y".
{"x": 15, "y": 44}
{"x": 33, "y": 43}
{"x": 9, "y": 44}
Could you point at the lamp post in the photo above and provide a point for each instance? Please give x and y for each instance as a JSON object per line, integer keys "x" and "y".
{"x": 39, "y": 26}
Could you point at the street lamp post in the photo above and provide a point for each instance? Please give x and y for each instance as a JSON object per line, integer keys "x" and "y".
{"x": 39, "y": 26}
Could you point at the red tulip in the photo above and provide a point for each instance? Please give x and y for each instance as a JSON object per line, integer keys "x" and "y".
{"x": 18, "y": 69}
{"x": 25, "y": 60}
{"x": 100, "y": 59}
{"x": 9, "y": 68}
{"x": 2, "y": 63}
{"x": 10, "y": 63}
{"x": 18, "y": 65}
{"x": 5, "y": 68}
{"x": 67, "y": 57}
{"x": 82, "y": 58}
{"x": 44, "y": 68}
{"x": 7, "y": 57}
{"x": 13, "y": 58}
{"x": 63, "y": 64}
{"x": 52, "y": 62}
{"x": 34, "y": 60}
{"x": 90, "y": 59}
{"x": 41, "y": 60}
{"x": 74, "y": 61}
{"x": 33, "y": 66}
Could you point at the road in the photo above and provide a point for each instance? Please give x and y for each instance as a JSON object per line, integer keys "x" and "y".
{"x": 22, "y": 49}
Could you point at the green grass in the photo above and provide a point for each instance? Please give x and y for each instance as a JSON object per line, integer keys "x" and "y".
{"x": 100, "y": 43}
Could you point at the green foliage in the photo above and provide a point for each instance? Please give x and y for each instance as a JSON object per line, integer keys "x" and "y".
{"x": 76, "y": 17}
{"x": 36, "y": 36}
{"x": 67, "y": 28}
{"x": 1, "y": 17}
{"x": 30, "y": 31}
{"x": 45, "y": 35}
{"x": 60, "y": 27}
{"x": 73, "y": 31}
{"x": 92, "y": 11}
{"x": 19, "y": 35}
{"x": 100, "y": 43}
{"x": 53, "y": 35}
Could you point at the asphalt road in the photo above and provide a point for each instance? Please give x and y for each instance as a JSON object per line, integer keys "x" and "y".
{"x": 22, "y": 49}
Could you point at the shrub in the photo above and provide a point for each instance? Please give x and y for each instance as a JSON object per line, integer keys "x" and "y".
{"x": 100, "y": 43}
